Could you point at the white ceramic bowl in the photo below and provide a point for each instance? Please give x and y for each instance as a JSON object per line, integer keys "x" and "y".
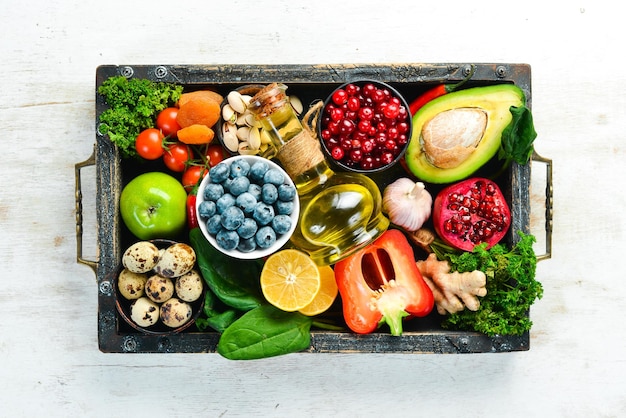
{"x": 281, "y": 240}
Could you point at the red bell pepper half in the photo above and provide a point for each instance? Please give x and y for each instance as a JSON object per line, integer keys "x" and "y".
{"x": 381, "y": 284}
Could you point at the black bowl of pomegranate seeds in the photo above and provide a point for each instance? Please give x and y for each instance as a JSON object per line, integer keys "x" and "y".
{"x": 365, "y": 126}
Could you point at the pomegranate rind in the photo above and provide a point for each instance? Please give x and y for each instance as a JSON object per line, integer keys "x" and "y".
{"x": 442, "y": 213}
{"x": 494, "y": 100}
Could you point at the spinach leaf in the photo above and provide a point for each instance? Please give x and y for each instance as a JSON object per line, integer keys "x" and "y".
{"x": 216, "y": 314}
{"x": 235, "y": 282}
{"x": 218, "y": 321}
{"x": 265, "y": 332}
{"x": 518, "y": 137}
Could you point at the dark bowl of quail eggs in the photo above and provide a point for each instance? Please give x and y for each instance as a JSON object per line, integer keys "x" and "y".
{"x": 247, "y": 207}
{"x": 158, "y": 288}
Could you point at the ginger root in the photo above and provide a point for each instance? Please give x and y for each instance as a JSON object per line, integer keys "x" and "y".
{"x": 452, "y": 291}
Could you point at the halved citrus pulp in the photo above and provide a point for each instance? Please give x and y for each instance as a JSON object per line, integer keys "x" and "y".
{"x": 290, "y": 280}
{"x": 326, "y": 295}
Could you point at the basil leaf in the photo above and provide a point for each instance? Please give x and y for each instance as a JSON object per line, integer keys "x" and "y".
{"x": 517, "y": 138}
{"x": 235, "y": 282}
{"x": 265, "y": 332}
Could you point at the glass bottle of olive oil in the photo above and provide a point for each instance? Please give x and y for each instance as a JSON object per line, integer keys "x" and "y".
{"x": 339, "y": 212}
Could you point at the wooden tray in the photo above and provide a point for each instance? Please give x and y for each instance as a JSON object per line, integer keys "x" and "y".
{"x": 309, "y": 82}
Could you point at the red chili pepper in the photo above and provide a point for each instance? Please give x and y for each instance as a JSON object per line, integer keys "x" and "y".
{"x": 382, "y": 284}
{"x": 192, "y": 214}
{"x": 437, "y": 91}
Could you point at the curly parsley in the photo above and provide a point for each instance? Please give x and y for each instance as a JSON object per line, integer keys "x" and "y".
{"x": 511, "y": 287}
{"x": 133, "y": 106}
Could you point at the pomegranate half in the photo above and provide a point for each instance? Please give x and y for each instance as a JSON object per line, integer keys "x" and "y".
{"x": 471, "y": 212}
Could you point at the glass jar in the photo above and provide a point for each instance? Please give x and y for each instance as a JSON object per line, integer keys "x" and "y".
{"x": 339, "y": 212}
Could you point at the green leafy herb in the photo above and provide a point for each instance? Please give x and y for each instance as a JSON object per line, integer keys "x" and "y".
{"x": 234, "y": 282}
{"x": 265, "y": 332}
{"x": 133, "y": 106}
{"x": 518, "y": 137}
{"x": 511, "y": 287}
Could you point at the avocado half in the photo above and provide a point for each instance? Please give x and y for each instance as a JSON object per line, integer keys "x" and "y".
{"x": 494, "y": 101}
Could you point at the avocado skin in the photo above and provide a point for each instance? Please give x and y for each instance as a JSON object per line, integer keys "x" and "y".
{"x": 495, "y": 100}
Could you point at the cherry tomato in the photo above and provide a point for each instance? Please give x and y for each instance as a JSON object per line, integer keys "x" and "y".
{"x": 215, "y": 154}
{"x": 149, "y": 144}
{"x": 193, "y": 175}
{"x": 176, "y": 157}
{"x": 166, "y": 121}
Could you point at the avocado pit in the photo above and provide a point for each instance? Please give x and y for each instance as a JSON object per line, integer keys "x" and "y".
{"x": 451, "y": 136}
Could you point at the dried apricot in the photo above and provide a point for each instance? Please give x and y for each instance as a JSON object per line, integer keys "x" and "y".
{"x": 196, "y": 134}
{"x": 198, "y": 110}
{"x": 207, "y": 94}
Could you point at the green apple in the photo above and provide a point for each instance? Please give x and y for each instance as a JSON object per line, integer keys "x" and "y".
{"x": 153, "y": 205}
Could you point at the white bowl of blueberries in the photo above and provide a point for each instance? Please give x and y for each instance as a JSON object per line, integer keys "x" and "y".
{"x": 247, "y": 207}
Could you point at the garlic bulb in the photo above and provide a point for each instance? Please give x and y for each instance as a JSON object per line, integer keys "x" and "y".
{"x": 408, "y": 204}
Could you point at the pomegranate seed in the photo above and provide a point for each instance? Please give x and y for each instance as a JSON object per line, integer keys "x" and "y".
{"x": 391, "y": 111}
{"x": 366, "y": 113}
{"x": 337, "y": 153}
{"x": 339, "y": 97}
{"x": 353, "y": 104}
{"x": 336, "y": 114}
{"x": 352, "y": 89}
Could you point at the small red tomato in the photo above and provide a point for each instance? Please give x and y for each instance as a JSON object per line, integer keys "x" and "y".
{"x": 193, "y": 175}
{"x": 176, "y": 157}
{"x": 149, "y": 144}
{"x": 166, "y": 121}
{"x": 215, "y": 154}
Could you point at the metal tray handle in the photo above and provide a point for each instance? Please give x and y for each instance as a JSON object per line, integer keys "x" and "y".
{"x": 549, "y": 202}
{"x": 79, "y": 213}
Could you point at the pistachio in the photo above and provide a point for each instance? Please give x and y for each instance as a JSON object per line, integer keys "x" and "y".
{"x": 243, "y": 133}
{"x": 228, "y": 114}
{"x": 254, "y": 138}
{"x": 244, "y": 149}
{"x": 231, "y": 141}
{"x": 250, "y": 120}
{"x": 236, "y": 101}
{"x": 296, "y": 103}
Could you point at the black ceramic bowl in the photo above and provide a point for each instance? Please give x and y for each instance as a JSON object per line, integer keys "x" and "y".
{"x": 123, "y": 305}
{"x": 364, "y": 141}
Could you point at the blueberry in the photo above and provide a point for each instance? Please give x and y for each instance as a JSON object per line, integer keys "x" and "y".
{"x": 214, "y": 224}
{"x": 228, "y": 240}
{"x": 206, "y": 209}
{"x": 226, "y": 183}
{"x": 213, "y": 191}
{"x": 247, "y": 245}
{"x": 263, "y": 213}
{"x": 232, "y": 218}
{"x": 239, "y": 168}
{"x": 269, "y": 193}
{"x": 219, "y": 172}
{"x": 284, "y": 208}
{"x": 274, "y": 176}
{"x": 286, "y": 192}
{"x": 239, "y": 185}
{"x": 248, "y": 228}
{"x": 255, "y": 190}
{"x": 281, "y": 224}
{"x": 257, "y": 171}
{"x": 224, "y": 202}
{"x": 246, "y": 202}
{"x": 265, "y": 237}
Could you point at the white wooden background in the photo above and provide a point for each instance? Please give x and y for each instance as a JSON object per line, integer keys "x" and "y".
{"x": 50, "y": 364}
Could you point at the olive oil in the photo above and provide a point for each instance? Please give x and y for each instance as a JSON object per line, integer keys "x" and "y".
{"x": 339, "y": 212}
